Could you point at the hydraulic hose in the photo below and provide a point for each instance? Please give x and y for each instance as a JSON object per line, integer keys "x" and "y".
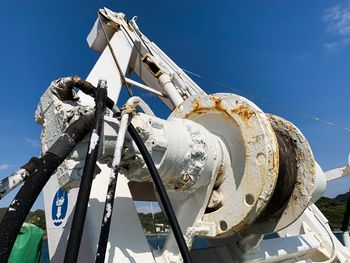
{"x": 169, "y": 211}
{"x": 64, "y": 89}
{"x": 88, "y": 88}
{"x": 15, "y": 179}
{"x": 111, "y": 190}
{"x": 25, "y": 198}
{"x": 72, "y": 250}
{"x": 67, "y": 84}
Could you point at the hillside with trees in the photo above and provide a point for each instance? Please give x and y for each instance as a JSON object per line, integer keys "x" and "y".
{"x": 148, "y": 223}
{"x": 36, "y": 217}
{"x": 332, "y": 208}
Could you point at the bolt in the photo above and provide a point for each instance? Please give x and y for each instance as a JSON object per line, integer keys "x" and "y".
{"x": 186, "y": 178}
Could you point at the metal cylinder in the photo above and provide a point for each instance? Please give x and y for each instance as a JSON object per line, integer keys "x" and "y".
{"x": 184, "y": 152}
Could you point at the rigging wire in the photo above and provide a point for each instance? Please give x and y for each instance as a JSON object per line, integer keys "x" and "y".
{"x": 264, "y": 100}
{"x": 276, "y": 105}
{"x": 122, "y": 77}
{"x": 229, "y": 87}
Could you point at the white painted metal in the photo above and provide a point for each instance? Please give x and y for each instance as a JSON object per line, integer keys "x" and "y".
{"x": 250, "y": 167}
{"x": 168, "y": 86}
{"x": 120, "y": 140}
{"x": 141, "y": 46}
{"x": 132, "y": 102}
{"x": 120, "y": 249}
{"x": 232, "y": 134}
{"x": 183, "y": 152}
{"x": 285, "y": 249}
{"x": 105, "y": 67}
{"x": 312, "y": 221}
{"x": 54, "y": 115}
{"x": 213, "y": 145}
{"x": 12, "y": 181}
{"x": 310, "y": 179}
{"x": 144, "y": 87}
{"x": 346, "y": 239}
{"x": 320, "y": 185}
{"x": 338, "y": 172}
{"x": 58, "y": 233}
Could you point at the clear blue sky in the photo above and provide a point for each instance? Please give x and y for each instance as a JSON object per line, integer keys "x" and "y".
{"x": 294, "y": 53}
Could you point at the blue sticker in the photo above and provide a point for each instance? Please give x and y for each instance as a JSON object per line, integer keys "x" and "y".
{"x": 59, "y": 207}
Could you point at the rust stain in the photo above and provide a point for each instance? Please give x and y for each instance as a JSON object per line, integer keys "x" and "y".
{"x": 199, "y": 109}
{"x": 244, "y": 112}
{"x": 196, "y": 104}
{"x": 172, "y": 181}
{"x": 179, "y": 186}
{"x": 217, "y": 102}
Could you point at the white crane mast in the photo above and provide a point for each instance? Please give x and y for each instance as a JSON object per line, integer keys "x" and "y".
{"x": 232, "y": 172}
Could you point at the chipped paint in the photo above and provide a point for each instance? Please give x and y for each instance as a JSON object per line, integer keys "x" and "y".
{"x": 93, "y": 141}
{"x": 305, "y": 184}
{"x": 108, "y": 213}
{"x": 244, "y": 112}
{"x": 183, "y": 166}
{"x": 251, "y": 168}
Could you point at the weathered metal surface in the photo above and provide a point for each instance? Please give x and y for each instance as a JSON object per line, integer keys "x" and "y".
{"x": 313, "y": 223}
{"x": 249, "y": 173}
{"x": 183, "y": 152}
{"x": 241, "y": 186}
{"x": 142, "y": 191}
{"x": 55, "y": 115}
{"x": 303, "y": 185}
{"x": 338, "y": 172}
{"x": 9, "y": 183}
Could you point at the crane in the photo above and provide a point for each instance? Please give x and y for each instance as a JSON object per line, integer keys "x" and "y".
{"x": 221, "y": 168}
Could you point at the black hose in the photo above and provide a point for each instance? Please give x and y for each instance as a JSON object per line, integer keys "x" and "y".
{"x": 65, "y": 86}
{"x": 162, "y": 194}
{"x": 89, "y": 89}
{"x": 18, "y": 177}
{"x": 25, "y": 198}
{"x": 33, "y": 163}
{"x": 72, "y": 250}
{"x": 107, "y": 217}
{"x": 345, "y": 223}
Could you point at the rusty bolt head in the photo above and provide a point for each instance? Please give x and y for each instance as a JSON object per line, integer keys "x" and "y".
{"x": 186, "y": 178}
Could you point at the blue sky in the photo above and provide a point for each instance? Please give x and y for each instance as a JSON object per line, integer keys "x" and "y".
{"x": 292, "y": 53}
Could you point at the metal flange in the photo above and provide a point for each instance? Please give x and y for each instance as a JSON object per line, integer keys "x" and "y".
{"x": 249, "y": 172}
{"x": 297, "y": 179}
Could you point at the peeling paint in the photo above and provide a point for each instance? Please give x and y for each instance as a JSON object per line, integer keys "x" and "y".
{"x": 244, "y": 112}
{"x": 93, "y": 141}
{"x": 108, "y": 213}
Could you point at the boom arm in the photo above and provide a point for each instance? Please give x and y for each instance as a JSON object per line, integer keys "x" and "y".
{"x": 233, "y": 173}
